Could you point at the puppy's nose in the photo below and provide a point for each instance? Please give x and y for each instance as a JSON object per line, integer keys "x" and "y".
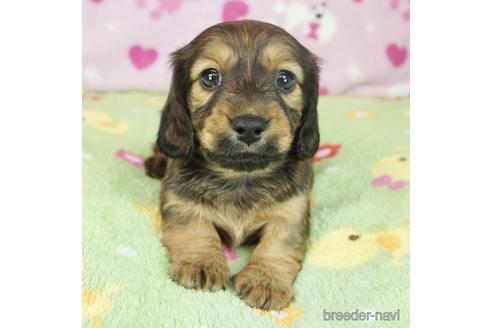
{"x": 249, "y": 129}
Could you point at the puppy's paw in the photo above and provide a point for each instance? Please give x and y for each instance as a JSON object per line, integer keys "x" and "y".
{"x": 209, "y": 273}
{"x": 259, "y": 288}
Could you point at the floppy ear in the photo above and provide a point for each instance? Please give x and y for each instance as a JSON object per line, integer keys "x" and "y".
{"x": 175, "y": 137}
{"x": 307, "y": 138}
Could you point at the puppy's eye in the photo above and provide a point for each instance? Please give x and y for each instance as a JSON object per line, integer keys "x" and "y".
{"x": 285, "y": 80}
{"x": 211, "y": 78}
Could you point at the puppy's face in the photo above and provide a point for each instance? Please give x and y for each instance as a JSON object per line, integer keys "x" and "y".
{"x": 247, "y": 93}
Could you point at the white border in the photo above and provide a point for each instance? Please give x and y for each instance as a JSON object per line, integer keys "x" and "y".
{"x": 451, "y": 163}
{"x": 40, "y": 174}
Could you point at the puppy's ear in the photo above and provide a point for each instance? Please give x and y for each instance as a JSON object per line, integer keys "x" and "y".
{"x": 307, "y": 138}
{"x": 175, "y": 137}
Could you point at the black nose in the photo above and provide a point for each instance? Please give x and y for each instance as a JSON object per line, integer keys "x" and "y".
{"x": 249, "y": 129}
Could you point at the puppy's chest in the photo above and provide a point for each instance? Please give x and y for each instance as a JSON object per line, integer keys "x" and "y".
{"x": 238, "y": 194}
{"x": 235, "y": 225}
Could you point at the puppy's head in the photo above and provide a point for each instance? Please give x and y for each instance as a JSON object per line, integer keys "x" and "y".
{"x": 243, "y": 96}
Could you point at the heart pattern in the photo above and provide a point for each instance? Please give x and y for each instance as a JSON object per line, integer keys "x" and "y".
{"x": 396, "y": 54}
{"x": 152, "y": 27}
{"x": 141, "y": 3}
{"x": 323, "y": 91}
{"x": 142, "y": 58}
{"x": 394, "y": 4}
{"x": 406, "y": 15}
{"x": 165, "y": 5}
{"x": 233, "y": 10}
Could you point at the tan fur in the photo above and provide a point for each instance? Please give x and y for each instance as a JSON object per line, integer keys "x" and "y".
{"x": 189, "y": 260}
{"x": 215, "y": 55}
{"x": 218, "y": 55}
{"x": 229, "y": 173}
{"x": 216, "y": 124}
{"x": 277, "y": 56}
{"x": 273, "y": 263}
{"x": 216, "y": 189}
{"x": 198, "y": 96}
{"x": 294, "y": 98}
{"x": 279, "y": 127}
{"x": 266, "y": 281}
{"x": 219, "y": 123}
{"x": 277, "y": 217}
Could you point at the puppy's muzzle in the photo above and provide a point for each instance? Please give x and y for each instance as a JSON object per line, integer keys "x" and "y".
{"x": 249, "y": 129}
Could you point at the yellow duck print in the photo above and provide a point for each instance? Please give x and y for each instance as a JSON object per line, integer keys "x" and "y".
{"x": 96, "y": 304}
{"x": 361, "y": 115}
{"x": 285, "y": 317}
{"x": 151, "y": 211}
{"x": 392, "y": 171}
{"x": 347, "y": 248}
{"x": 102, "y": 121}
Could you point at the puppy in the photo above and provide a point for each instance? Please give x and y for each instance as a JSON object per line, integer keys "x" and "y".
{"x": 233, "y": 151}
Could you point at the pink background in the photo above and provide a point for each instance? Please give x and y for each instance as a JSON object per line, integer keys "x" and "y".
{"x": 364, "y": 44}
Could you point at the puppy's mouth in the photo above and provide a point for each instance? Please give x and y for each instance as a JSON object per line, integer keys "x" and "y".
{"x": 242, "y": 161}
{"x": 238, "y": 157}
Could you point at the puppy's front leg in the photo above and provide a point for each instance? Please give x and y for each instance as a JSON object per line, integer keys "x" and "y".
{"x": 195, "y": 249}
{"x": 266, "y": 282}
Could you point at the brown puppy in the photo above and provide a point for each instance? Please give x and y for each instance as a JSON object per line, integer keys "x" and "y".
{"x": 233, "y": 151}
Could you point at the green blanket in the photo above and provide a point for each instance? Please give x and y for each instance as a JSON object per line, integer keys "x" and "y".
{"x": 357, "y": 259}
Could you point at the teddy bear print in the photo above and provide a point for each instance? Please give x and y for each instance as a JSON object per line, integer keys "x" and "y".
{"x": 312, "y": 19}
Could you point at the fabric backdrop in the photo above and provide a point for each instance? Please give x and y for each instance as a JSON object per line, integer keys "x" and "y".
{"x": 364, "y": 44}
